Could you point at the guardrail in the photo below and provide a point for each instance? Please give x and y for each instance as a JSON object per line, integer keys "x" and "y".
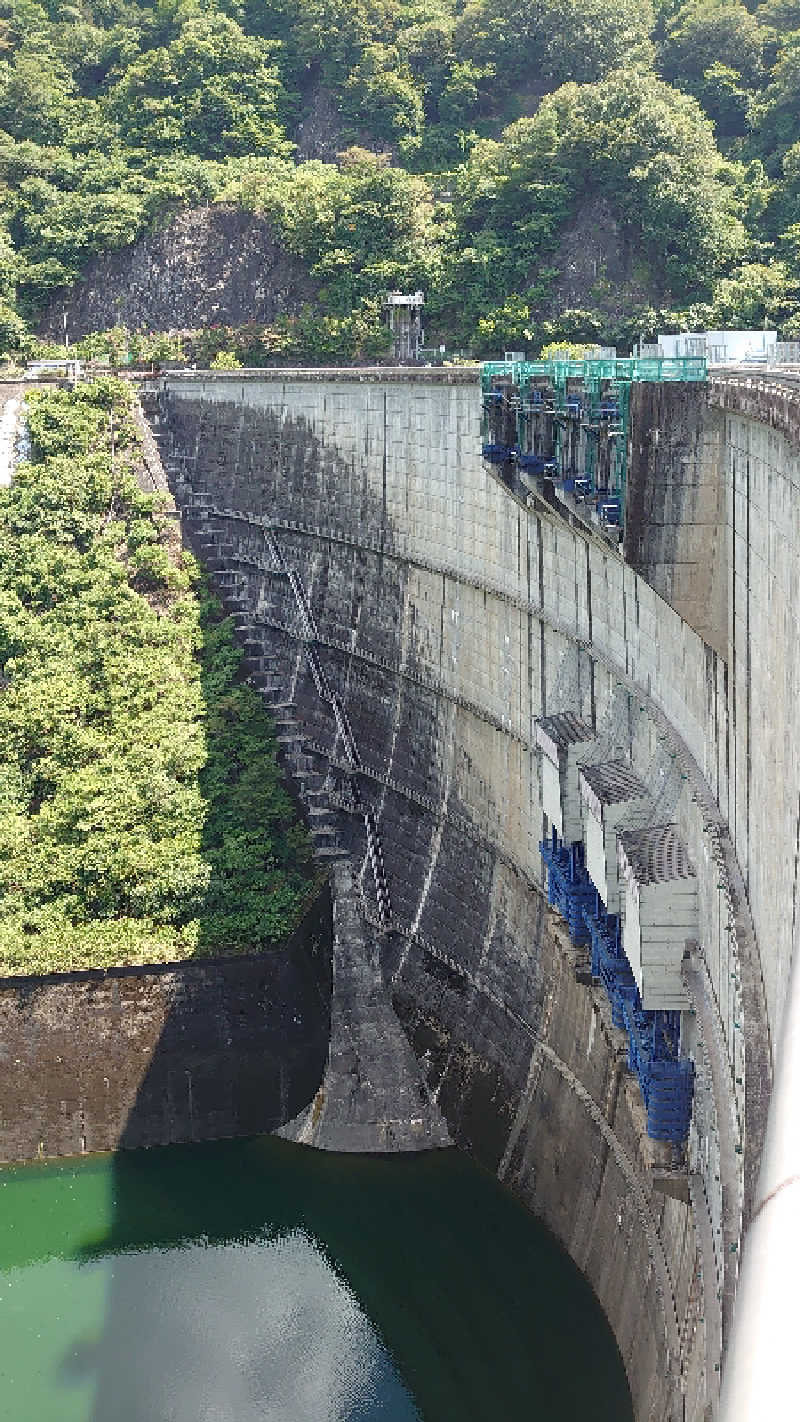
{"x": 649, "y": 368}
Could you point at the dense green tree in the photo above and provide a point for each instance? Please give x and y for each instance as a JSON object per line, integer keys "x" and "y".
{"x": 776, "y": 115}
{"x": 555, "y": 40}
{"x": 380, "y": 94}
{"x": 363, "y": 226}
{"x": 631, "y": 137}
{"x": 779, "y": 19}
{"x": 67, "y": 227}
{"x": 708, "y": 32}
{"x": 142, "y": 812}
{"x": 714, "y": 49}
{"x": 38, "y": 98}
{"x": 790, "y": 188}
{"x": 783, "y": 204}
{"x": 213, "y": 91}
{"x": 755, "y": 295}
{"x": 460, "y": 98}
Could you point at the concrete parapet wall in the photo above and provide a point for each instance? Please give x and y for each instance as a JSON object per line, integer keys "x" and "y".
{"x": 447, "y": 612}
{"x": 762, "y": 528}
{"x": 675, "y": 504}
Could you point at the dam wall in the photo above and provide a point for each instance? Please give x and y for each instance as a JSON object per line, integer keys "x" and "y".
{"x": 675, "y": 515}
{"x": 449, "y": 614}
{"x": 715, "y": 493}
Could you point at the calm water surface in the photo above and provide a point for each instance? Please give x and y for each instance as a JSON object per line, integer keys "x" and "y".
{"x": 257, "y": 1281}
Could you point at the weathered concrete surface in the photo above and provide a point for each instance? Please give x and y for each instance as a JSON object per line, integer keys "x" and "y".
{"x": 151, "y": 1056}
{"x": 762, "y": 529}
{"x": 675, "y": 504}
{"x": 714, "y": 503}
{"x": 372, "y": 1096}
{"x": 445, "y": 610}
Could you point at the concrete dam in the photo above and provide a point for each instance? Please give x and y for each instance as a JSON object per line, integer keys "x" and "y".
{"x": 437, "y": 641}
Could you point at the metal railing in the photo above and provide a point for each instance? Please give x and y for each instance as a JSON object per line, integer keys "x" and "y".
{"x": 310, "y": 636}
{"x": 593, "y": 393}
{"x": 650, "y": 368}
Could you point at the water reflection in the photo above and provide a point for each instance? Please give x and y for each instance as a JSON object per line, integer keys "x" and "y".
{"x": 259, "y": 1280}
{"x": 262, "y": 1332}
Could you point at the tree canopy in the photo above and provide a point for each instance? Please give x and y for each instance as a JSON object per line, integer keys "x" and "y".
{"x": 212, "y": 92}
{"x": 143, "y": 817}
{"x": 483, "y": 130}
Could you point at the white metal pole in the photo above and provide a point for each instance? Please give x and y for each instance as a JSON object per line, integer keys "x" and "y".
{"x": 760, "y": 1377}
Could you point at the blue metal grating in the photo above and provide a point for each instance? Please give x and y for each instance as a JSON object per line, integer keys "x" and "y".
{"x": 569, "y": 888}
{"x": 665, "y": 1078}
{"x": 498, "y": 453}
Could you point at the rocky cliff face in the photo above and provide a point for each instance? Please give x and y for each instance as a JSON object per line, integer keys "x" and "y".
{"x": 599, "y": 268}
{"x": 219, "y": 265}
{"x": 210, "y": 266}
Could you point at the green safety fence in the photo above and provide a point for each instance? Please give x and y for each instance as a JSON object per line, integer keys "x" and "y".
{"x": 522, "y": 372}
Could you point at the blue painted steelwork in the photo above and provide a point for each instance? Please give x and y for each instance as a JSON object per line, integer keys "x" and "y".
{"x": 666, "y": 1079}
{"x": 669, "y": 1100}
{"x": 499, "y": 453}
{"x": 535, "y": 464}
{"x": 608, "y": 958}
{"x": 569, "y": 888}
{"x": 604, "y": 931}
{"x": 652, "y": 1036}
{"x": 610, "y": 511}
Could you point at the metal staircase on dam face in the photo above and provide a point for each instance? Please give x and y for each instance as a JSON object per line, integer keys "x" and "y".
{"x": 620, "y": 877}
{"x": 372, "y": 1097}
{"x": 569, "y": 421}
{"x": 303, "y": 766}
{"x": 308, "y": 768}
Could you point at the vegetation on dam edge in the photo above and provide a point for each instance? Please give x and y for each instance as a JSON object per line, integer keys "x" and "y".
{"x": 142, "y": 815}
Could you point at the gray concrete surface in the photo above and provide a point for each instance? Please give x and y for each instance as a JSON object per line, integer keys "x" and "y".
{"x": 445, "y": 610}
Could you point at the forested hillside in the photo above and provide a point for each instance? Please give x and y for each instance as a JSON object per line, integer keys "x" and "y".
{"x": 142, "y": 814}
{"x": 542, "y": 168}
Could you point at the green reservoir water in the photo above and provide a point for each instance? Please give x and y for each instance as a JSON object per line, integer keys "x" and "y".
{"x": 257, "y": 1281}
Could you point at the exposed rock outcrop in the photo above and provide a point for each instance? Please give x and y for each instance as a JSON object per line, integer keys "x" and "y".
{"x": 210, "y": 266}
{"x": 599, "y": 267}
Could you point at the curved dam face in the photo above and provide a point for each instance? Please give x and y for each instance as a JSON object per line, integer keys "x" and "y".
{"x": 352, "y": 512}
